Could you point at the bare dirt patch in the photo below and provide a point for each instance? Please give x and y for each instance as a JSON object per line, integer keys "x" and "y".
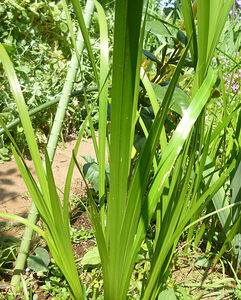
{"x": 14, "y": 197}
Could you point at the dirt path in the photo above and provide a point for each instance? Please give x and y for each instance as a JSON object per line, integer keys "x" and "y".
{"x": 14, "y": 197}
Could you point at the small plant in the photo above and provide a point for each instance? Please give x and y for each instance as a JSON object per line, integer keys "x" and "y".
{"x": 8, "y": 247}
{"x": 53, "y": 282}
{"x": 4, "y": 155}
{"x": 81, "y": 234}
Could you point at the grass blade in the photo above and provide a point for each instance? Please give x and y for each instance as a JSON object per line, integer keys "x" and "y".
{"x": 103, "y": 101}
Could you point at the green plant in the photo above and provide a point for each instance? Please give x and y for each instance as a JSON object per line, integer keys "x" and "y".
{"x": 55, "y": 217}
{"x": 35, "y": 35}
{"x": 91, "y": 172}
{"x": 125, "y": 211}
{"x": 81, "y": 234}
{"x": 53, "y": 140}
{"x": 8, "y": 247}
{"x": 54, "y": 283}
{"x": 168, "y": 174}
{"x": 4, "y": 154}
{"x": 30, "y": 49}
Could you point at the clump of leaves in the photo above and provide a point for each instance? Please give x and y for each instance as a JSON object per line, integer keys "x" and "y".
{"x": 81, "y": 234}
{"x": 4, "y": 155}
{"x": 54, "y": 283}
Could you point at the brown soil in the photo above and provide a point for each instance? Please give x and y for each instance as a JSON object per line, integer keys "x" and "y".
{"x": 14, "y": 197}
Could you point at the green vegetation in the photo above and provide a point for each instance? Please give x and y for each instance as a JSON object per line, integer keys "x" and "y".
{"x": 169, "y": 119}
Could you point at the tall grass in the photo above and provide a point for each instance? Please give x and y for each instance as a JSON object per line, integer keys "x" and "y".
{"x": 53, "y": 139}
{"x": 134, "y": 195}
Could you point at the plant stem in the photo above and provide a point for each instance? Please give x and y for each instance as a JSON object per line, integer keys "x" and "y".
{"x": 48, "y": 104}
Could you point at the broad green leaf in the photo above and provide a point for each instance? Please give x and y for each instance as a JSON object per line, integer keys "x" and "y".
{"x": 40, "y": 261}
{"x": 168, "y": 159}
{"x": 167, "y": 295}
{"x": 89, "y": 159}
{"x": 180, "y": 100}
{"x": 180, "y": 134}
{"x": 203, "y": 262}
{"x": 91, "y": 172}
{"x": 157, "y": 28}
{"x": 181, "y": 37}
{"x": 91, "y": 258}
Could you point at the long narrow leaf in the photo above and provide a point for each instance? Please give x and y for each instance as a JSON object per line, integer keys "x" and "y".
{"x": 125, "y": 57}
{"x": 104, "y": 66}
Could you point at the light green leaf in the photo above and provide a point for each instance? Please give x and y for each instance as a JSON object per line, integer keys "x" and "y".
{"x": 167, "y": 295}
{"x": 157, "y": 28}
{"x": 104, "y": 72}
{"x": 92, "y": 257}
{"x": 203, "y": 262}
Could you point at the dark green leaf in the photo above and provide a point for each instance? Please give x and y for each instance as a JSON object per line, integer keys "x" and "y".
{"x": 152, "y": 57}
{"x": 40, "y": 261}
{"x": 91, "y": 172}
{"x": 182, "y": 37}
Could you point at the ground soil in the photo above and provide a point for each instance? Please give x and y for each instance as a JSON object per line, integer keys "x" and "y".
{"x": 14, "y": 197}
